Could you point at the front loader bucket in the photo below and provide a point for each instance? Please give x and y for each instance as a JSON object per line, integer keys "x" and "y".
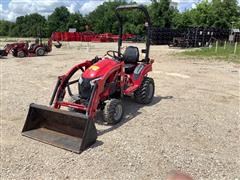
{"x": 58, "y": 45}
{"x": 68, "y": 130}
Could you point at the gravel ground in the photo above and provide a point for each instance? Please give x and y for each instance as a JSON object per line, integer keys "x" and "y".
{"x": 192, "y": 124}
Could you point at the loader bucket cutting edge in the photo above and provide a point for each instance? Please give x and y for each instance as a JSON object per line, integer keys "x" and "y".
{"x": 68, "y": 130}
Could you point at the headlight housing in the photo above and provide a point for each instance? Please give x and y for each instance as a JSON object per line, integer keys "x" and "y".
{"x": 93, "y": 81}
{"x": 80, "y": 80}
{"x": 85, "y": 86}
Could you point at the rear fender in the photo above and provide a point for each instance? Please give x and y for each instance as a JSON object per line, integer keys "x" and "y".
{"x": 139, "y": 73}
{"x": 137, "y": 77}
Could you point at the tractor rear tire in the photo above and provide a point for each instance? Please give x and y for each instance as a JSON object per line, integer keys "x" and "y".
{"x": 21, "y": 54}
{"x": 113, "y": 111}
{"x": 144, "y": 94}
{"x": 40, "y": 51}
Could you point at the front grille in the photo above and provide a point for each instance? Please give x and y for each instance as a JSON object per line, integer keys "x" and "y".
{"x": 85, "y": 88}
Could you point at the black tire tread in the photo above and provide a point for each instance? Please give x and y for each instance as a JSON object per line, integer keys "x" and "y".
{"x": 38, "y": 50}
{"x": 140, "y": 94}
{"x": 109, "y": 110}
{"x": 19, "y": 53}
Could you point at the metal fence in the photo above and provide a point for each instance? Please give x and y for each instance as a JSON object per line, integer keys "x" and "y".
{"x": 189, "y": 37}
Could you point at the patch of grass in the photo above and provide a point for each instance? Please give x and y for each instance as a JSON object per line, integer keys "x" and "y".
{"x": 222, "y": 53}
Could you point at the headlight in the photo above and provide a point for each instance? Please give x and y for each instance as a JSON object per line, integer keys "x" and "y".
{"x": 80, "y": 80}
{"x": 92, "y": 82}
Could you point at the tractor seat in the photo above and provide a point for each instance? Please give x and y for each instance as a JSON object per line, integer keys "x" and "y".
{"x": 131, "y": 57}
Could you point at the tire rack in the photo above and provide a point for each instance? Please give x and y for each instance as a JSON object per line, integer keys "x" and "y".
{"x": 190, "y": 37}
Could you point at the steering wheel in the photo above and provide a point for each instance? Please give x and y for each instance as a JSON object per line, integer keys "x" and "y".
{"x": 115, "y": 55}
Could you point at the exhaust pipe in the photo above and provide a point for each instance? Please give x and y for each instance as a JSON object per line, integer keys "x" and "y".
{"x": 68, "y": 130}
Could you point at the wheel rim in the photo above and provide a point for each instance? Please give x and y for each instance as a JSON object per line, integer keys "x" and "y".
{"x": 41, "y": 52}
{"x": 21, "y": 54}
{"x": 118, "y": 112}
{"x": 150, "y": 91}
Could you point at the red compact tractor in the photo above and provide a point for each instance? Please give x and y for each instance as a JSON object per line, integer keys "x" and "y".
{"x": 101, "y": 85}
{"x": 22, "y": 49}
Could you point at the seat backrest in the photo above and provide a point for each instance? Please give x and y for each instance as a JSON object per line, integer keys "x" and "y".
{"x": 131, "y": 54}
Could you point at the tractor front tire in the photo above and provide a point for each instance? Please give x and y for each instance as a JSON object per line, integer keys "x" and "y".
{"x": 40, "y": 51}
{"x": 21, "y": 54}
{"x": 144, "y": 94}
{"x": 113, "y": 111}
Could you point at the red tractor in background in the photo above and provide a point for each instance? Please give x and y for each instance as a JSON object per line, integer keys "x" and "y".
{"x": 23, "y": 49}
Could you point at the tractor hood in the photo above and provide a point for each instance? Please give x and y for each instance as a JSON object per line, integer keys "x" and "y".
{"x": 99, "y": 69}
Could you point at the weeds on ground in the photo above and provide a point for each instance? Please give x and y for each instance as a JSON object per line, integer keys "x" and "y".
{"x": 221, "y": 53}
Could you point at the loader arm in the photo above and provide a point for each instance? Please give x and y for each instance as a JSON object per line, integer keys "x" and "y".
{"x": 50, "y": 44}
{"x": 9, "y": 47}
{"x": 63, "y": 81}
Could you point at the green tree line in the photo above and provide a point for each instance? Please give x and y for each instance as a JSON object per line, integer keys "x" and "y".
{"x": 215, "y": 13}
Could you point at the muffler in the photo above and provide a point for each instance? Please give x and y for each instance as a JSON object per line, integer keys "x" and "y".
{"x": 68, "y": 130}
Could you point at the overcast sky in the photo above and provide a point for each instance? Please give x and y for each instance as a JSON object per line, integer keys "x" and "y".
{"x": 10, "y": 9}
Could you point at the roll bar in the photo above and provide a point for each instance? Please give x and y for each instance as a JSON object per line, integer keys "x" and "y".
{"x": 149, "y": 26}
